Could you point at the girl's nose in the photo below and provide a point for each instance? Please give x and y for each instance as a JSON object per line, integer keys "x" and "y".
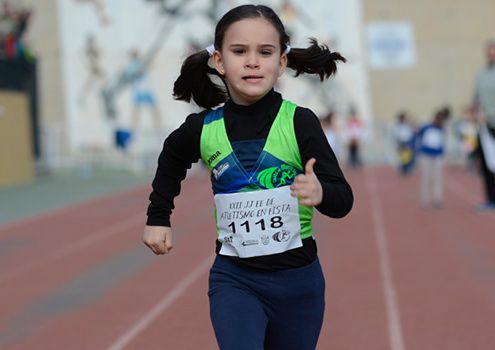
{"x": 252, "y": 60}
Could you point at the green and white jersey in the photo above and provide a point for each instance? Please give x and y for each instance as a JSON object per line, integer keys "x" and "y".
{"x": 277, "y": 166}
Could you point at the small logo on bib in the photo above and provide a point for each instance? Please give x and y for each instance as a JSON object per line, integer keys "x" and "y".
{"x": 265, "y": 239}
{"x": 281, "y": 236}
{"x": 250, "y": 242}
{"x": 277, "y": 176}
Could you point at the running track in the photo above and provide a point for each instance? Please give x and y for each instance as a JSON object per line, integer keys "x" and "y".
{"x": 398, "y": 276}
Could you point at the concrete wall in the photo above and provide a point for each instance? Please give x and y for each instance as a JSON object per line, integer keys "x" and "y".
{"x": 43, "y": 37}
{"x": 449, "y": 40}
{"x": 16, "y": 160}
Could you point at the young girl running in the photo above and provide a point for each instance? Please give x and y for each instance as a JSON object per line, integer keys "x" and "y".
{"x": 270, "y": 165}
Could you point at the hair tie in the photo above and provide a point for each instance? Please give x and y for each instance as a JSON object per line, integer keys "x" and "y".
{"x": 287, "y": 49}
{"x": 210, "y": 49}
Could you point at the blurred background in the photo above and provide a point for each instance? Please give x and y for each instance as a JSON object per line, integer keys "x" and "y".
{"x": 70, "y": 71}
{"x": 86, "y": 103}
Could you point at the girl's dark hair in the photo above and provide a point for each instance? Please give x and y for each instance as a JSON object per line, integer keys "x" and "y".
{"x": 194, "y": 81}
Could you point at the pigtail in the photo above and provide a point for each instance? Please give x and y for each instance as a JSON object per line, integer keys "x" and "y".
{"x": 194, "y": 82}
{"x": 315, "y": 59}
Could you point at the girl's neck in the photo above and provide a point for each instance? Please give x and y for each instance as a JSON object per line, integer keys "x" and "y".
{"x": 262, "y": 103}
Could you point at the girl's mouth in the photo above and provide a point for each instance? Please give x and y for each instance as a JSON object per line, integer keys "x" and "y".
{"x": 252, "y": 78}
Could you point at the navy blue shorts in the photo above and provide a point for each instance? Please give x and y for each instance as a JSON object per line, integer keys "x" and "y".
{"x": 254, "y": 310}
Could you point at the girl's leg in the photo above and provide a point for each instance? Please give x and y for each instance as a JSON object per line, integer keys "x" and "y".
{"x": 296, "y": 308}
{"x": 236, "y": 313}
{"x": 256, "y": 310}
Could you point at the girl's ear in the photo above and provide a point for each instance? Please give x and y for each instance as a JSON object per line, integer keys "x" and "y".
{"x": 282, "y": 64}
{"x": 218, "y": 62}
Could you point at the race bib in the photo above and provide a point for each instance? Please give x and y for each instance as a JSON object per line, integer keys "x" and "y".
{"x": 258, "y": 223}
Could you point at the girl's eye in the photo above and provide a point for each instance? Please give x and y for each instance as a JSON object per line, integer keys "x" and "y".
{"x": 266, "y": 52}
{"x": 238, "y": 51}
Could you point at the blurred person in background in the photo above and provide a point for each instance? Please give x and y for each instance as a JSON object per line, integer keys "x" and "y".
{"x": 403, "y": 134}
{"x": 14, "y": 23}
{"x": 354, "y": 135}
{"x": 465, "y": 130}
{"x": 430, "y": 145}
{"x": 484, "y": 106}
{"x": 331, "y": 132}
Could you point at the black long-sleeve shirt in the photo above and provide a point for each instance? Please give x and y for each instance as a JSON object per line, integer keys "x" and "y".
{"x": 252, "y": 123}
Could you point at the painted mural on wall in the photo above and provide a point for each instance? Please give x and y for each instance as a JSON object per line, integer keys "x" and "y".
{"x": 121, "y": 59}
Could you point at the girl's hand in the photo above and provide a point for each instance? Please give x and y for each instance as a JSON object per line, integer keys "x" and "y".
{"x": 306, "y": 187}
{"x": 158, "y": 239}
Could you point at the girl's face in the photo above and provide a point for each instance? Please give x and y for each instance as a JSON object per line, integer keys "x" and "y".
{"x": 250, "y": 59}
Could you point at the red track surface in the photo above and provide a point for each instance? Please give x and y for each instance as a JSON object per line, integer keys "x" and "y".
{"x": 398, "y": 276}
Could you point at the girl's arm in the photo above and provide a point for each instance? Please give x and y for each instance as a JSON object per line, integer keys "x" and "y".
{"x": 180, "y": 151}
{"x": 337, "y": 196}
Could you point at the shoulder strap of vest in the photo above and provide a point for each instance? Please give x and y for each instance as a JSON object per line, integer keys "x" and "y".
{"x": 281, "y": 141}
{"x": 214, "y": 142}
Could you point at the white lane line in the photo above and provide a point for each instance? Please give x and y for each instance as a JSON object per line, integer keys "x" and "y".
{"x": 159, "y": 308}
{"x": 95, "y": 237}
{"x": 391, "y": 302}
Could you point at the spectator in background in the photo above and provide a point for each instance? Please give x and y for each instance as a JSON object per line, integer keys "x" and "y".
{"x": 484, "y": 105}
{"x": 430, "y": 144}
{"x": 330, "y": 130}
{"x": 13, "y": 26}
{"x": 7, "y": 19}
{"x": 404, "y": 139}
{"x": 465, "y": 132}
{"x": 354, "y": 135}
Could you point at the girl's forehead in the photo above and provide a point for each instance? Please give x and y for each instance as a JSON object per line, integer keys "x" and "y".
{"x": 252, "y": 29}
